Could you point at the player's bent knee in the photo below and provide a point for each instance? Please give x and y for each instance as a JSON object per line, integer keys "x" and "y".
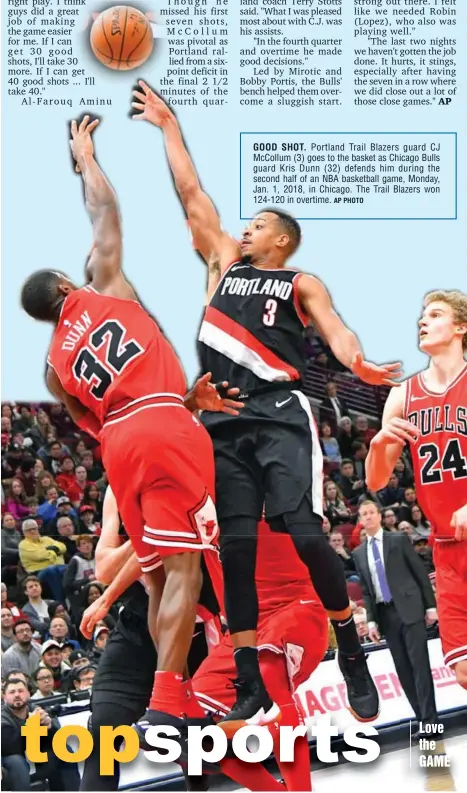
{"x": 461, "y": 673}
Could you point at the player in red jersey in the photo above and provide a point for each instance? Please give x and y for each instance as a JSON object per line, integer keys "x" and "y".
{"x": 430, "y": 412}
{"x": 292, "y": 640}
{"x": 109, "y": 363}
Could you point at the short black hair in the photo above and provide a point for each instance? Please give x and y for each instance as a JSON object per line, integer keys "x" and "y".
{"x": 40, "y": 296}
{"x": 290, "y": 226}
{"x": 14, "y": 681}
{"x": 21, "y": 622}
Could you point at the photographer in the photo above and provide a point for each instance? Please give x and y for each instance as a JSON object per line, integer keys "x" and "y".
{"x": 16, "y": 711}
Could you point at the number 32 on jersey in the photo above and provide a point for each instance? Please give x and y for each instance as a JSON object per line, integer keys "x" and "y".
{"x": 99, "y": 372}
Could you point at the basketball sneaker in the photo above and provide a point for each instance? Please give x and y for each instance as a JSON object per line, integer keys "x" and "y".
{"x": 253, "y": 706}
{"x": 361, "y": 690}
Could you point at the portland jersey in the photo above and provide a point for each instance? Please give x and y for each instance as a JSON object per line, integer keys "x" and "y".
{"x": 252, "y": 330}
{"x": 440, "y": 453}
{"x": 108, "y": 352}
{"x": 281, "y": 577}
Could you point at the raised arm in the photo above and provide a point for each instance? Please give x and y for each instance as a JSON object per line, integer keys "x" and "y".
{"x": 104, "y": 267}
{"x": 111, "y": 554}
{"x": 387, "y": 446}
{"x": 316, "y": 302}
{"x": 216, "y": 247}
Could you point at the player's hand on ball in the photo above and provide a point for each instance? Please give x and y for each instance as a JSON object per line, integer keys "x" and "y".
{"x": 374, "y": 635}
{"x": 376, "y": 375}
{"x": 153, "y": 108}
{"x": 81, "y": 142}
{"x": 207, "y": 396}
{"x": 399, "y": 430}
{"x": 459, "y": 523}
{"x": 94, "y": 613}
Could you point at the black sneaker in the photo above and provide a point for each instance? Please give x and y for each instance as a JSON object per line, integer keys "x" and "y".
{"x": 253, "y": 706}
{"x": 361, "y": 690}
{"x": 156, "y": 718}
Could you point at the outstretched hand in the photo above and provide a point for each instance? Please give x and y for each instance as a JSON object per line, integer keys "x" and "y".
{"x": 81, "y": 142}
{"x": 94, "y": 613}
{"x": 153, "y": 108}
{"x": 207, "y": 397}
{"x": 376, "y": 375}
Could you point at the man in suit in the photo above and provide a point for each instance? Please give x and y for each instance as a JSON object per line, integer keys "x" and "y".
{"x": 333, "y": 408}
{"x": 400, "y": 603}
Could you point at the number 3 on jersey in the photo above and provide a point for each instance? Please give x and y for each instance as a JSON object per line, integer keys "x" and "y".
{"x": 118, "y": 354}
{"x": 270, "y": 308}
{"x": 452, "y": 460}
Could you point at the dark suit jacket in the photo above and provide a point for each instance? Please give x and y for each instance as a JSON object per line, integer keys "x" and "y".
{"x": 407, "y": 578}
{"x": 326, "y": 411}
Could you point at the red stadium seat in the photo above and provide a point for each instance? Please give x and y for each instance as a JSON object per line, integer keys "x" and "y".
{"x": 354, "y": 591}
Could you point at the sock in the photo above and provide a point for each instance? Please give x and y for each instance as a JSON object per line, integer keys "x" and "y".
{"x": 346, "y": 632}
{"x": 250, "y": 775}
{"x": 191, "y": 706}
{"x": 247, "y": 663}
{"x": 168, "y": 693}
{"x": 296, "y": 775}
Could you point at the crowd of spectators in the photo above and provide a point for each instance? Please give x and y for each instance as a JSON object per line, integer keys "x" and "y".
{"x": 53, "y": 485}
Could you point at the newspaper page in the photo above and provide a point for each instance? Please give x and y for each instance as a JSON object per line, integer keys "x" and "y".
{"x": 350, "y": 117}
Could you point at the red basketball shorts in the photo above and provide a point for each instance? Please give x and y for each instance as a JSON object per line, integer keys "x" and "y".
{"x": 160, "y": 466}
{"x": 297, "y": 632}
{"x": 450, "y": 560}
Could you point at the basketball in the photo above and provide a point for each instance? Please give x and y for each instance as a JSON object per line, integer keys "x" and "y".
{"x": 121, "y": 38}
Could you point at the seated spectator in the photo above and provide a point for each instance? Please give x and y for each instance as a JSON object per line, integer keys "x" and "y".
{"x": 93, "y": 497}
{"x": 346, "y": 436}
{"x": 79, "y": 449}
{"x": 20, "y": 676}
{"x": 76, "y": 491}
{"x": 66, "y": 476}
{"x": 16, "y": 500}
{"x": 351, "y": 487}
{"x": 363, "y": 431}
{"x": 39, "y": 467}
{"x": 80, "y": 572}
{"x": 24, "y": 654}
{"x": 59, "y": 630}
{"x": 88, "y": 522}
{"x": 93, "y": 469}
{"x": 64, "y": 510}
{"x": 421, "y": 526}
{"x": 326, "y": 527}
{"x": 15, "y": 713}
{"x": 361, "y": 624}
{"x": 337, "y": 542}
{"x": 44, "y": 680}
{"x": 17, "y": 612}
{"x": 44, "y": 480}
{"x": 83, "y": 677}
{"x": 78, "y": 659}
{"x": 25, "y": 419}
{"x": 43, "y": 556}
{"x": 357, "y": 537}
{"x": 57, "y": 609}
{"x": 53, "y": 454}
{"x": 61, "y": 420}
{"x": 27, "y": 477}
{"x": 8, "y": 637}
{"x": 47, "y": 510}
{"x": 11, "y": 539}
{"x": 405, "y": 510}
{"x": 101, "y": 634}
{"x": 333, "y": 407}
{"x": 65, "y": 531}
{"x": 40, "y": 430}
{"x": 425, "y": 553}
{"x": 52, "y": 659}
{"x": 329, "y": 445}
{"x": 404, "y": 471}
{"x": 389, "y": 520}
{"x": 359, "y": 454}
{"x": 36, "y": 609}
{"x": 33, "y": 503}
{"x": 407, "y": 527}
{"x": 335, "y": 508}
{"x": 393, "y": 494}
